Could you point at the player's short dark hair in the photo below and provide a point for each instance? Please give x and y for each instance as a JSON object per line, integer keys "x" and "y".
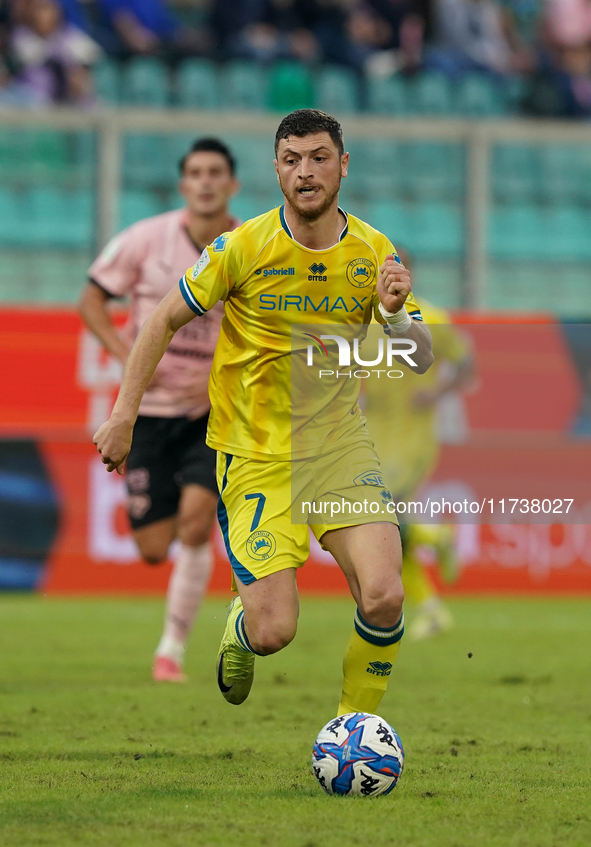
{"x": 306, "y": 121}
{"x": 209, "y": 145}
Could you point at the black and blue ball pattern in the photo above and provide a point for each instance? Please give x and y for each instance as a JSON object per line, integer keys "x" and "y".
{"x": 357, "y": 754}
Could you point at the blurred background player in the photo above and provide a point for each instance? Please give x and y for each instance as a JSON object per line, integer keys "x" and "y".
{"x": 170, "y": 472}
{"x": 407, "y": 415}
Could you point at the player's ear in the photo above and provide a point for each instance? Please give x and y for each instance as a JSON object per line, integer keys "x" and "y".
{"x": 344, "y": 164}
{"x": 236, "y": 186}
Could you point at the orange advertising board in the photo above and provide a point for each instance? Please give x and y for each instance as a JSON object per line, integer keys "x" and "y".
{"x": 65, "y": 528}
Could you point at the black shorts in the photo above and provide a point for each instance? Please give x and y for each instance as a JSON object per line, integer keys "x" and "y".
{"x": 166, "y": 454}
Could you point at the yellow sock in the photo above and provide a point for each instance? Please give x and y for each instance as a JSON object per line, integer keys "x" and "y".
{"x": 427, "y": 534}
{"x": 367, "y": 665}
{"x": 415, "y": 580}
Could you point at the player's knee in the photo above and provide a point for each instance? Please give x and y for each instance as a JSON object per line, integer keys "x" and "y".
{"x": 194, "y": 533}
{"x": 383, "y": 609}
{"x": 154, "y": 558}
{"x": 267, "y": 639}
{"x": 194, "y": 530}
{"x": 153, "y": 554}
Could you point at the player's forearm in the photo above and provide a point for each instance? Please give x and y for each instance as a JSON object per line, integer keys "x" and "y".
{"x": 96, "y": 316}
{"x": 149, "y": 347}
{"x": 420, "y": 334}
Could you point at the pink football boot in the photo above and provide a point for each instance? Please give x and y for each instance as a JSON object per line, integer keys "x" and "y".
{"x": 167, "y": 670}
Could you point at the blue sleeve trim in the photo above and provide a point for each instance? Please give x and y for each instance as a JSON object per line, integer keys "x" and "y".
{"x": 190, "y": 298}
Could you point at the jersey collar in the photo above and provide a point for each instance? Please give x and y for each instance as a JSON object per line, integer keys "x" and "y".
{"x": 344, "y": 231}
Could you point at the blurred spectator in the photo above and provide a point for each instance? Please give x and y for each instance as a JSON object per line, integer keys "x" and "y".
{"x": 475, "y": 35}
{"x": 14, "y": 93}
{"x": 562, "y": 88}
{"x": 72, "y": 10}
{"x": 368, "y": 33}
{"x": 524, "y": 19}
{"x": 74, "y": 13}
{"x": 404, "y": 23}
{"x": 327, "y": 19}
{"x": 308, "y": 30}
{"x": 567, "y": 23}
{"x": 281, "y": 30}
{"x": 574, "y": 71}
{"x": 147, "y": 27}
{"x": 52, "y": 57}
{"x": 228, "y": 18}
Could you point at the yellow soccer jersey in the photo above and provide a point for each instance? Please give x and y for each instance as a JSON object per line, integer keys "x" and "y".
{"x": 270, "y": 282}
{"x": 405, "y": 435}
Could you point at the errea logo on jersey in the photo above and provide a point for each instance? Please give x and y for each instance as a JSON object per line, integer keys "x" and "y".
{"x": 317, "y": 272}
{"x": 275, "y": 271}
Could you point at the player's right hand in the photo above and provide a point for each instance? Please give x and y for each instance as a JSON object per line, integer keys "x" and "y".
{"x": 113, "y": 441}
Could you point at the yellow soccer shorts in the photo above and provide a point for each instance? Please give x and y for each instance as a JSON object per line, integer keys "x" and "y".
{"x": 265, "y": 508}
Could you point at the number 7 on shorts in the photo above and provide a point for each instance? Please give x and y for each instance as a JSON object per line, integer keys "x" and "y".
{"x": 259, "y": 509}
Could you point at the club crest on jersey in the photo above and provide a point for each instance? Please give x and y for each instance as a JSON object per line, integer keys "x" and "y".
{"x": 361, "y": 272}
{"x": 370, "y": 478}
{"x": 261, "y": 545}
{"x": 219, "y": 245}
{"x": 202, "y": 263}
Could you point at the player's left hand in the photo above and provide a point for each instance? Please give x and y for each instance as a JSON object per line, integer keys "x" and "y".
{"x": 393, "y": 284}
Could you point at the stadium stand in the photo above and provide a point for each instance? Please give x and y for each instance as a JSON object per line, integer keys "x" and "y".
{"x": 431, "y": 94}
{"x": 477, "y": 96}
{"x": 291, "y": 86}
{"x": 243, "y": 87}
{"x": 415, "y": 188}
{"x": 107, "y": 83}
{"x": 337, "y": 91}
{"x": 388, "y": 96}
{"x": 144, "y": 82}
{"x": 197, "y": 85}
{"x": 539, "y": 218}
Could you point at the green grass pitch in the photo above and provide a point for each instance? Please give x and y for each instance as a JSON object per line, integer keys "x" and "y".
{"x": 498, "y": 746}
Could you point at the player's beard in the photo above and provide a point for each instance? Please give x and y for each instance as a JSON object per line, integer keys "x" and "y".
{"x": 310, "y": 214}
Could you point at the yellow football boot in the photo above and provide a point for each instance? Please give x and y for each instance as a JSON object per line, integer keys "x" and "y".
{"x": 235, "y": 665}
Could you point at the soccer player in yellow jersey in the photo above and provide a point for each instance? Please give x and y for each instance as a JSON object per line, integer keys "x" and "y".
{"x": 307, "y": 262}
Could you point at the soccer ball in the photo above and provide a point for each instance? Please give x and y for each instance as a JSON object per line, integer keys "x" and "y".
{"x": 357, "y": 754}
